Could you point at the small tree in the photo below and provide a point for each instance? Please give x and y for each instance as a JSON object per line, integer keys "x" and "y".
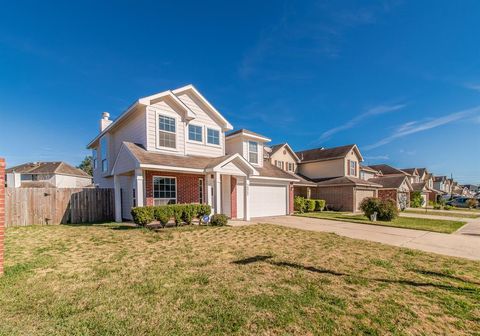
{"x": 87, "y": 165}
{"x": 299, "y": 204}
{"x": 416, "y": 200}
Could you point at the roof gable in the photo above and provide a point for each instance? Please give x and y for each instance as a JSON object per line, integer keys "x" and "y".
{"x": 276, "y": 148}
{"x": 321, "y": 154}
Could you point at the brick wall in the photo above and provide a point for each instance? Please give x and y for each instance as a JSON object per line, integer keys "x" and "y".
{"x": 187, "y": 186}
{"x": 388, "y": 194}
{"x": 2, "y": 212}
{"x": 337, "y": 198}
{"x": 233, "y": 197}
{"x": 290, "y": 198}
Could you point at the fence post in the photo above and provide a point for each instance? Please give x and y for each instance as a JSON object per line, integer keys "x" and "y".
{"x": 2, "y": 212}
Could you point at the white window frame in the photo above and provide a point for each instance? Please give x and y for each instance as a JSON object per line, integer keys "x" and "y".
{"x": 219, "y": 137}
{"x": 153, "y": 188}
{"x": 95, "y": 158}
{"x": 203, "y": 133}
{"x": 256, "y": 153}
{"x": 157, "y": 127}
{"x": 354, "y": 168}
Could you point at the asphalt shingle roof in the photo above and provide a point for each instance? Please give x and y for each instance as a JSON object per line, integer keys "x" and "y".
{"x": 58, "y": 167}
{"x": 319, "y": 154}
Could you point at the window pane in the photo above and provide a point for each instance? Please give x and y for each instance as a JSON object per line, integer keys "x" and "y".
{"x": 253, "y": 146}
{"x": 164, "y": 188}
{"x": 195, "y": 133}
{"x": 167, "y": 124}
{"x": 253, "y": 158}
{"x": 167, "y": 139}
{"x": 213, "y": 137}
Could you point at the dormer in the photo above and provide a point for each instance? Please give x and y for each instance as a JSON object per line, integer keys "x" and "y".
{"x": 248, "y": 144}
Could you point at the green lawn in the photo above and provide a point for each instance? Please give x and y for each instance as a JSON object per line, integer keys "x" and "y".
{"x": 442, "y": 213}
{"x": 435, "y": 225}
{"x": 255, "y": 280}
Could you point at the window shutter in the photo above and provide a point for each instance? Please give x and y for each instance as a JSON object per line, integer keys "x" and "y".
{"x": 356, "y": 168}
{"x": 348, "y": 167}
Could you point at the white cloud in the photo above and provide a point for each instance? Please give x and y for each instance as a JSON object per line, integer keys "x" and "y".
{"x": 378, "y": 110}
{"x": 475, "y": 87}
{"x": 413, "y": 127}
{"x": 377, "y": 157}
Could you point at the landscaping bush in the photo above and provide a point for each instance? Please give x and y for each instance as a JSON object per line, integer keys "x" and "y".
{"x": 320, "y": 205}
{"x": 163, "y": 214}
{"x": 310, "y": 205}
{"x": 386, "y": 209}
{"x": 447, "y": 207}
{"x": 472, "y": 203}
{"x": 437, "y": 206}
{"x": 370, "y": 205}
{"x": 416, "y": 200}
{"x": 143, "y": 215}
{"x": 299, "y": 204}
{"x": 219, "y": 220}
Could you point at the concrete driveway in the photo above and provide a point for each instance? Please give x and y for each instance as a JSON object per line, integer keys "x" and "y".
{"x": 456, "y": 245}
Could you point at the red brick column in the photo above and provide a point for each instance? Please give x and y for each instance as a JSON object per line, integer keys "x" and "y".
{"x": 233, "y": 197}
{"x": 290, "y": 198}
{"x": 2, "y": 211}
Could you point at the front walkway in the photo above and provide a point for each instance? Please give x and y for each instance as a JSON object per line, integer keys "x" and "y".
{"x": 460, "y": 245}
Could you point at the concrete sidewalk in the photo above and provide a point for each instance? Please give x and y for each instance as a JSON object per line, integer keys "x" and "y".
{"x": 456, "y": 245}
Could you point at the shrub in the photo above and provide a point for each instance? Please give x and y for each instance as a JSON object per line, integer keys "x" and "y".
{"x": 387, "y": 210}
{"x": 189, "y": 212}
{"x": 143, "y": 215}
{"x": 320, "y": 205}
{"x": 447, "y": 207}
{"x": 370, "y": 205}
{"x": 177, "y": 212}
{"x": 163, "y": 214}
{"x": 416, "y": 199}
{"x": 299, "y": 204}
{"x": 472, "y": 203}
{"x": 219, "y": 220}
{"x": 203, "y": 210}
{"x": 310, "y": 205}
{"x": 436, "y": 206}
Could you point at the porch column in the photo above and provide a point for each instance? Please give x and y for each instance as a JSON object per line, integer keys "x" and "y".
{"x": 218, "y": 193}
{"x": 139, "y": 192}
{"x": 246, "y": 199}
{"x": 118, "y": 199}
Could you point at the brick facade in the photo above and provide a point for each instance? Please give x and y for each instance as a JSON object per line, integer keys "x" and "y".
{"x": 388, "y": 194}
{"x": 339, "y": 198}
{"x": 233, "y": 198}
{"x": 188, "y": 189}
{"x": 290, "y": 199}
{"x": 2, "y": 212}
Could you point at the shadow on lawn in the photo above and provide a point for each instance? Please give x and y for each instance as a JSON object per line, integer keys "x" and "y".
{"x": 267, "y": 259}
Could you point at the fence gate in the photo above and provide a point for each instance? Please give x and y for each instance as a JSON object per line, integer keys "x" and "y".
{"x": 28, "y": 206}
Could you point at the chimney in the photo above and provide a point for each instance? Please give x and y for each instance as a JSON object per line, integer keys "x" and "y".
{"x": 105, "y": 121}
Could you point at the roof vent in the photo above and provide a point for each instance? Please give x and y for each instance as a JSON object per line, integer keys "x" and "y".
{"x": 105, "y": 121}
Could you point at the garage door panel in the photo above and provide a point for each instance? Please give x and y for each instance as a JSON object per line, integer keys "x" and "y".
{"x": 268, "y": 200}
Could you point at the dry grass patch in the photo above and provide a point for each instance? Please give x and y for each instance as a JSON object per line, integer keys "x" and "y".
{"x": 263, "y": 279}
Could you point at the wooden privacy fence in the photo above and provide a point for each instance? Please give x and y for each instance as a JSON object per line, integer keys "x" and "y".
{"x": 28, "y": 206}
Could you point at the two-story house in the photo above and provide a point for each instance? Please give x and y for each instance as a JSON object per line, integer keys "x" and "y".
{"x": 172, "y": 147}
{"x": 331, "y": 174}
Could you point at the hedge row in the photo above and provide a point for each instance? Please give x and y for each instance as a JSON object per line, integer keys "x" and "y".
{"x": 302, "y": 204}
{"x": 180, "y": 213}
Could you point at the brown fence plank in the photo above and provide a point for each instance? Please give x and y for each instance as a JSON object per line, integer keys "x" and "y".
{"x": 28, "y": 206}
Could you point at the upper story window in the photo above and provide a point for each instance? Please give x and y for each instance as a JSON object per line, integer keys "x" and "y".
{"x": 94, "y": 158}
{"x": 167, "y": 132}
{"x": 353, "y": 168}
{"x": 253, "y": 152}
{"x": 104, "y": 151}
{"x": 362, "y": 175}
{"x": 213, "y": 136}
{"x": 195, "y": 133}
{"x": 291, "y": 167}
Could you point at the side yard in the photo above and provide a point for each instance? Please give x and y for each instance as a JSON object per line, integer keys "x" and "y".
{"x": 434, "y": 225}
{"x": 259, "y": 279}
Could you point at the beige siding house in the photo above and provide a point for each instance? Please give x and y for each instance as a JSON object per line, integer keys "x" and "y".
{"x": 173, "y": 147}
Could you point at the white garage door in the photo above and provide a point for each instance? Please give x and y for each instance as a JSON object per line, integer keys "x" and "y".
{"x": 268, "y": 200}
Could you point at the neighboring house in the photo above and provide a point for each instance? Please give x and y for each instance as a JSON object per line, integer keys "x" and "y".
{"x": 333, "y": 174}
{"x": 367, "y": 173}
{"x": 47, "y": 175}
{"x": 472, "y": 188}
{"x": 440, "y": 183}
{"x": 396, "y": 187}
{"x": 284, "y": 157}
{"x": 424, "y": 191}
{"x": 172, "y": 147}
{"x": 413, "y": 173}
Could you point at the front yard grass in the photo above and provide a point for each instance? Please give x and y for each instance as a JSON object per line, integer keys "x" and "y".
{"x": 434, "y": 225}
{"x": 442, "y": 213}
{"x": 254, "y": 280}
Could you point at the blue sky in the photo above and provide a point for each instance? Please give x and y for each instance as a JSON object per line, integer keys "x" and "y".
{"x": 400, "y": 79}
